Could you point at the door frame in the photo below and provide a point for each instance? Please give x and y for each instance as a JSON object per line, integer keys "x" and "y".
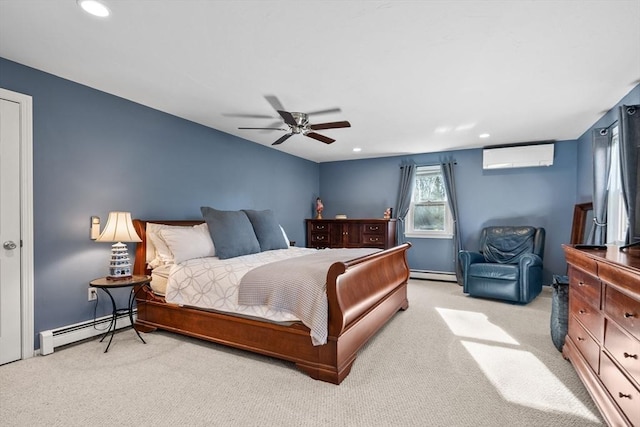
{"x": 26, "y": 219}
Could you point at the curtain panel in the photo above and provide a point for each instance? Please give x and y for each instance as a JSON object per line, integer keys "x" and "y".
{"x": 450, "y": 186}
{"x": 601, "y": 167}
{"x": 405, "y": 191}
{"x": 629, "y": 140}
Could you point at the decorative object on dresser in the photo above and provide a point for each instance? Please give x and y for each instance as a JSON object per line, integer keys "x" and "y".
{"x": 603, "y": 342}
{"x": 119, "y": 229}
{"x": 319, "y": 208}
{"x": 351, "y": 233}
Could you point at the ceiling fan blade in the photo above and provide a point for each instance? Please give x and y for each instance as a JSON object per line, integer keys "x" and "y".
{"x": 288, "y": 118}
{"x": 327, "y": 111}
{"x": 331, "y": 125}
{"x": 319, "y": 137}
{"x": 265, "y": 128}
{"x": 283, "y": 139}
{"x": 274, "y": 102}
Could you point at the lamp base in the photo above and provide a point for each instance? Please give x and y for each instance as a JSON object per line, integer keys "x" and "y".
{"x": 120, "y": 266}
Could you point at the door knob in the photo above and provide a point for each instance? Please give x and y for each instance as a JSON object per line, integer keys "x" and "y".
{"x": 9, "y": 245}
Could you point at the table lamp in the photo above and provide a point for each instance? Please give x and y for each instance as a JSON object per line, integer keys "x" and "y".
{"x": 119, "y": 229}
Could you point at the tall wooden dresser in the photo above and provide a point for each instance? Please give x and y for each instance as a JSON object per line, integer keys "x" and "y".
{"x": 351, "y": 233}
{"x": 603, "y": 342}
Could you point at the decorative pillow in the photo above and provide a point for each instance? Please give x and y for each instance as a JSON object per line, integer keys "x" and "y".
{"x": 161, "y": 252}
{"x": 231, "y": 232}
{"x": 267, "y": 229}
{"x": 189, "y": 242}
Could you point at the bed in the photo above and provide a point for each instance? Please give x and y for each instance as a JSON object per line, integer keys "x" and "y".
{"x": 361, "y": 295}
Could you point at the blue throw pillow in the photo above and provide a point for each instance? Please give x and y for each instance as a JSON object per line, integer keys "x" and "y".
{"x": 231, "y": 232}
{"x": 267, "y": 229}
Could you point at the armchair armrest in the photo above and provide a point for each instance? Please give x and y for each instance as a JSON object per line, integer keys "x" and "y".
{"x": 530, "y": 276}
{"x": 467, "y": 258}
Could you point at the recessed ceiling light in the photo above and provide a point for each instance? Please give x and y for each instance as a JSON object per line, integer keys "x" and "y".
{"x": 442, "y": 129}
{"x": 357, "y": 150}
{"x": 95, "y": 8}
{"x": 484, "y": 135}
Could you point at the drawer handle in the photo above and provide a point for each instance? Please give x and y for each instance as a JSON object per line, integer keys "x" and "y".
{"x": 628, "y": 315}
{"x": 320, "y": 237}
{"x": 374, "y": 228}
{"x": 581, "y": 283}
{"x": 581, "y": 339}
{"x": 626, "y": 396}
{"x": 627, "y": 355}
{"x": 582, "y": 311}
{"x": 374, "y": 239}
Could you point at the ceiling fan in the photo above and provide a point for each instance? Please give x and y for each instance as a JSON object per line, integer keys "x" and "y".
{"x": 299, "y": 123}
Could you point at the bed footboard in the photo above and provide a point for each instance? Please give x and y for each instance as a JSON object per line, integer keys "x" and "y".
{"x": 363, "y": 295}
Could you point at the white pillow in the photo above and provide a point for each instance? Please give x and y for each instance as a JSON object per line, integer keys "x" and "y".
{"x": 158, "y": 252}
{"x": 188, "y": 243}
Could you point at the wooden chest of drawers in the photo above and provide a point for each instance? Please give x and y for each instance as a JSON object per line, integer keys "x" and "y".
{"x": 351, "y": 233}
{"x": 603, "y": 342}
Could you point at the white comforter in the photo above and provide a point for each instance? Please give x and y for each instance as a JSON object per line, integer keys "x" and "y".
{"x": 212, "y": 283}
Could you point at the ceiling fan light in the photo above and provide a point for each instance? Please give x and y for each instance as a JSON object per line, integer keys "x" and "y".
{"x": 94, "y": 8}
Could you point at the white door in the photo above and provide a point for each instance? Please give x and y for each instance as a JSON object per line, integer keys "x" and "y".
{"x": 10, "y": 251}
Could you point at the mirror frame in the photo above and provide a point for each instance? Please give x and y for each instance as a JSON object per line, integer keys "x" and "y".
{"x": 579, "y": 222}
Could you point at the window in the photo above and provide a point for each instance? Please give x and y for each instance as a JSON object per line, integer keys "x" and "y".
{"x": 429, "y": 214}
{"x": 616, "y": 210}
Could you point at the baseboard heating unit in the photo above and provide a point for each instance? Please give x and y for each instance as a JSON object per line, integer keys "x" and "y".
{"x": 441, "y": 276}
{"x": 58, "y": 337}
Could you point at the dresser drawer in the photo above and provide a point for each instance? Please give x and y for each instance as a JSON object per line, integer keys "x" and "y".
{"x": 319, "y": 239}
{"x": 586, "y": 344}
{"x": 319, "y": 226}
{"x": 624, "y": 349}
{"x": 373, "y": 229}
{"x": 587, "y": 285}
{"x": 624, "y": 310}
{"x": 588, "y": 315}
{"x": 372, "y": 240}
{"x": 621, "y": 389}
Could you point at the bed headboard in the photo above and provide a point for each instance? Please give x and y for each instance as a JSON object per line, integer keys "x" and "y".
{"x": 140, "y": 263}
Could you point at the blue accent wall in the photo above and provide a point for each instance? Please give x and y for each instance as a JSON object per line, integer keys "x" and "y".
{"x": 539, "y": 196}
{"x": 94, "y": 153}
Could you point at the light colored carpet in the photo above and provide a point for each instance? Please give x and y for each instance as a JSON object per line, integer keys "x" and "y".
{"x": 420, "y": 370}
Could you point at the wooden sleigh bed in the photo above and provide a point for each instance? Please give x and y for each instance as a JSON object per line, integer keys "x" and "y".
{"x": 363, "y": 295}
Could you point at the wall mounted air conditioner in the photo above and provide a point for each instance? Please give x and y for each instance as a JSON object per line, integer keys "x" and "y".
{"x": 517, "y": 156}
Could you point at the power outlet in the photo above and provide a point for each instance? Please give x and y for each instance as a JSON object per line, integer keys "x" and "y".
{"x": 92, "y": 294}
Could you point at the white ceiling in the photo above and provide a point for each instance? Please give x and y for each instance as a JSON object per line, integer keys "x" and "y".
{"x": 410, "y": 76}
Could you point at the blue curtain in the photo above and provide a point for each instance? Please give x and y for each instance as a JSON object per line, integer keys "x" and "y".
{"x": 405, "y": 191}
{"x": 450, "y": 186}
{"x": 601, "y": 167}
{"x": 629, "y": 140}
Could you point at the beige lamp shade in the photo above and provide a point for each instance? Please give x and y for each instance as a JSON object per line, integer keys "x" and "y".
{"x": 119, "y": 228}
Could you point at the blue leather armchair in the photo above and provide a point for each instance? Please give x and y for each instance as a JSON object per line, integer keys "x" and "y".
{"x": 508, "y": 266}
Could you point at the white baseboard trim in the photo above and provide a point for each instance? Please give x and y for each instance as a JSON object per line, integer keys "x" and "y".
{"x": 442, "y": 276}
{"x": 53, "y": 338}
